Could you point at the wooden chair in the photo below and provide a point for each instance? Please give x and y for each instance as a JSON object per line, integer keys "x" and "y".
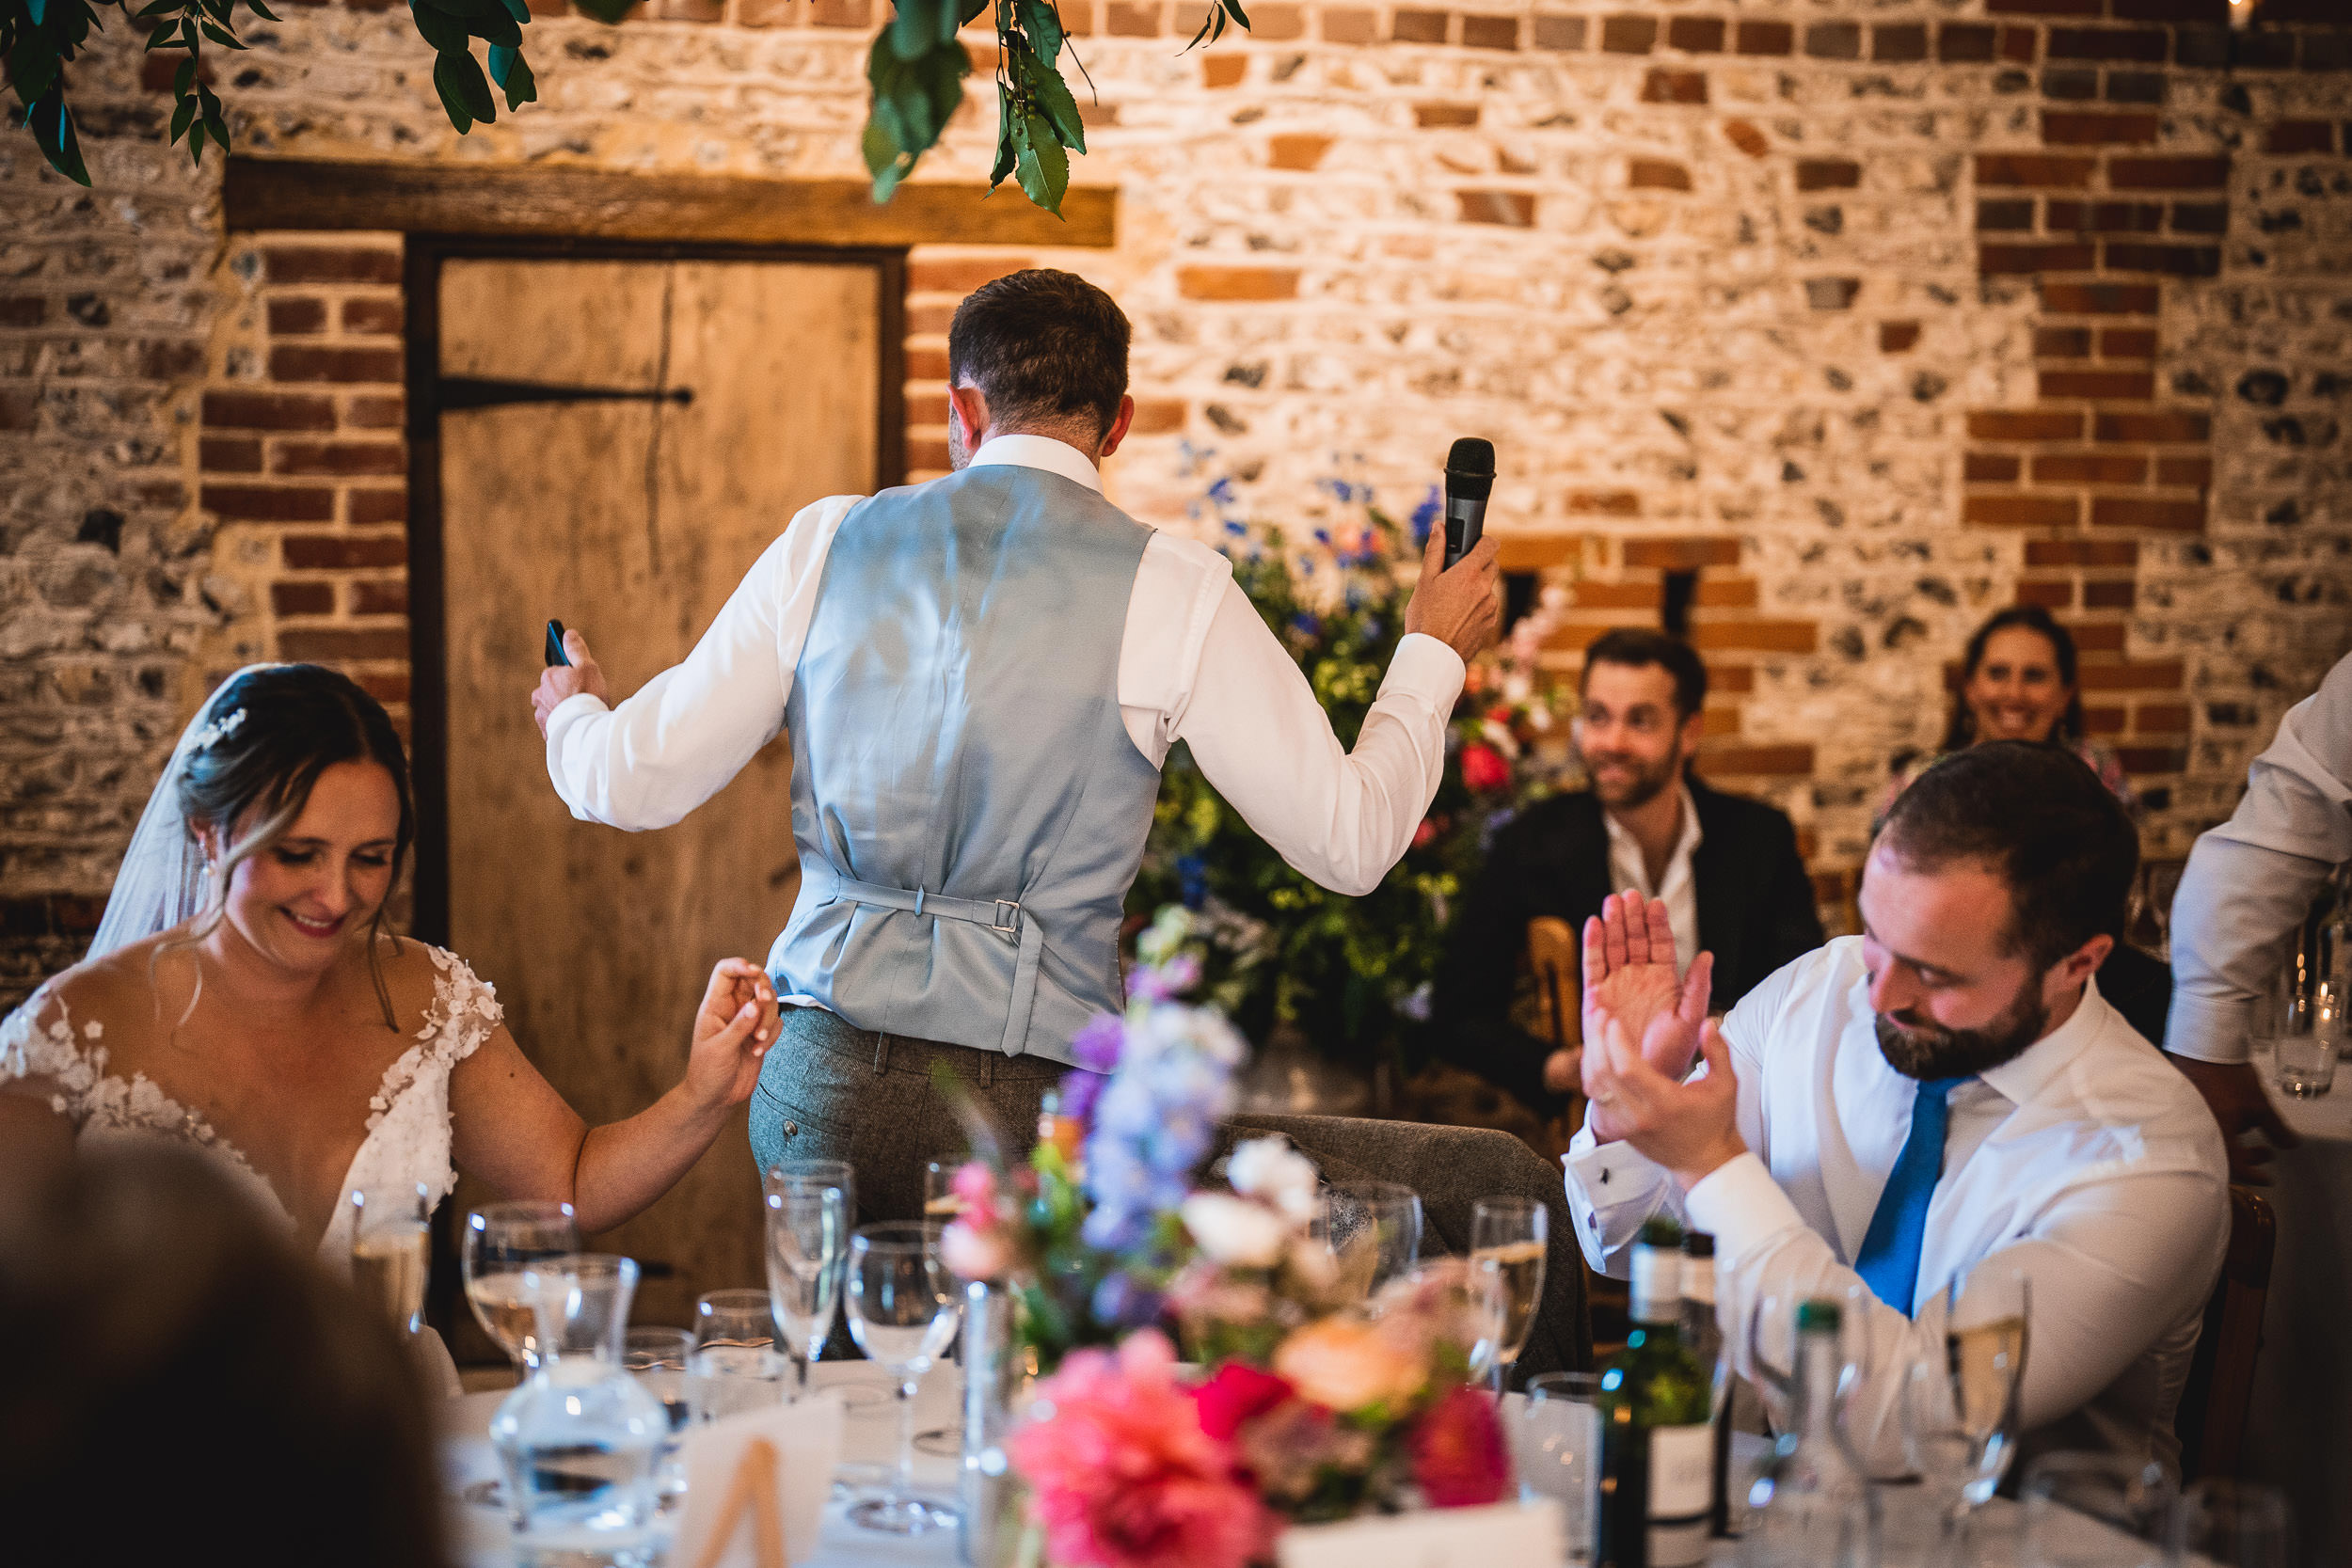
{"x": 1552, "y": 958}
{"x": 2212, "y": 1417}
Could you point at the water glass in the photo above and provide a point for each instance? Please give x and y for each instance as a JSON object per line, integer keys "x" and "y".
{"x": 2097, "y": 1511}
{"x": 1960, "y": 1400}
{"x": 903, "y": 1307}
{"x": 2235, "y": 1524}
{"x": 502, "y": 1239}
{"x": 662, "y": 1359}
{"x": 2305, "y": 1062}
{"x": 1372, "y": 1228}
{"x": 391, "y": 1249}
{"x": 1556, "y": 1446}
{"x": 809, "y": 1244}
{"x": 736, "y": 1365}
{"x": 1508, "y": 1237}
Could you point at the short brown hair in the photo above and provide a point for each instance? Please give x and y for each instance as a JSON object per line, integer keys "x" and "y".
{"x": 1041, "y": 345}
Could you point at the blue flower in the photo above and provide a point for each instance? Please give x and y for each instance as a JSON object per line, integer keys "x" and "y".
{"x": 1222, "y": 492}
{"x": 1306, "y": 625}
{"x": 1323, "y": 536}
{"x": 1425, "y": 518}
{"x": 1235, "y": 526}
{"x": 1192, "y": 876}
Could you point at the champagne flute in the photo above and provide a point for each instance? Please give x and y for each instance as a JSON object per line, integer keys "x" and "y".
{"x": 903, "y": 1310}
{"x": 502, "y": 1241}
{"x": 1508, "y": 1235}
{"x": 1372, "y": 1228}
{"x": 736, "y": 1366}
{"x": 808, "y": 1241}
{"x": 1771, "y": 1338}
{"x": 392, "y": 1250}
{"x": 1959, "y": 1407}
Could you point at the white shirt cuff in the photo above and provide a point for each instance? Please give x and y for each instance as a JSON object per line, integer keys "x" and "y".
{"x": 1612, "y": 1173}
{"x": 2205, "y": 1030}
{"x": 565, "y": 717}
{"x": 1741, "y": 1206}
{"x": 1427, "y": 668}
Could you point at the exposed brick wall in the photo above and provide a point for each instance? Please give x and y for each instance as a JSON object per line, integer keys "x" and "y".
{"x": 1874, "y": 315}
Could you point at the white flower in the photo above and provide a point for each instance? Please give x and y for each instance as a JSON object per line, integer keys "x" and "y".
{"x": 1271, "y": 1171}
{"x": 1236, "y": 1230}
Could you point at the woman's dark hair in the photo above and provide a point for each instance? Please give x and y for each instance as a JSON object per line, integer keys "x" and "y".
{"x": 275, "y": 729}
{"x": 168, "y": 1351}
{"x": 1041, "y": 345}
{"x": 1960, "y": 730}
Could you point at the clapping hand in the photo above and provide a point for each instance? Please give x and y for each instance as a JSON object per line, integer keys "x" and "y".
{"x": 1691, "y": 1126}
{"x": 733, "y": 1030}
{"x": 1630, "y": 975}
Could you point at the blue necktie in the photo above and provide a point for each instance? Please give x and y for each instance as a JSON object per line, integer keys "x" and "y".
{"x": 1889, "y": 1261}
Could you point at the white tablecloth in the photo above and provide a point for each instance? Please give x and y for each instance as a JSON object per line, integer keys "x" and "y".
{"x": 2300, "y": 1430}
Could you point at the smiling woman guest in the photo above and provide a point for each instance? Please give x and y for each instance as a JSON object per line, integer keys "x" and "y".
{"x": 245, "y": 996}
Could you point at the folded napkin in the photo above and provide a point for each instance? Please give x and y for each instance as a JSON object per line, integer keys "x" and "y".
{"x": 756, "y": 1486}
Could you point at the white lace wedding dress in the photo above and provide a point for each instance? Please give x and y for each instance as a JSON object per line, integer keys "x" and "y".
{"x": 407, "y": 1138}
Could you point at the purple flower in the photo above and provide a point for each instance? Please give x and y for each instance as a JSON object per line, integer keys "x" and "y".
{"x": 1125, "y": 1302}
{"x": 1096, "y": 1045}
{"x": 1425, "y": 518}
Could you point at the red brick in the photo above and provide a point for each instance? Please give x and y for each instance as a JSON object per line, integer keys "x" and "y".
{"x": 1766, "y": 38}
{"x": 2160, "y": 718}
{"x": 1249, "y": 283}
{"x": 2147, "y": 44}
{"x": 1656, "y": 174}
{"x": 376, "y": 317}
{"x": 927, "y": 362}
{"x": 2022, "y": 510}
{"x": 337, "y": 457}
{"x": 1834, "y": 40}
{"x": 2301, "y": 136}
{"x": 2072, "y": 129}
{"x": 2109, "y": 595}
{"x": 1674, "y": 86}
{"x": 343, "y": 552}
{"x": 377, "y": 506}
{"x": 254, "y": 503}
{"x": 2088, "y": 469}
{"x": 18, "y": 407}
{"x": 2018, "y": 46}
{"x": 2174, "y": 260}
{"x": 1746, "y": 137}
{"x": 230, "y": 454}
{"x": 22, "y": 310}
{"x": 2174, "y": 427}
{"x": 2142, "y": 760}
{"x": 2061, "y": 342}
{"x": 1726, "y": 594}
{"x": 1301, "y": 152}
{"x": 960, "y": 275}
{"x": 288, "y": 363}
{"x": 1995, "y": 260}
{"x": 1989, "y": 467}
{"x": 2039, "y": 170}
{"x": 927, "y": 453}
{"x": 1223, "y": 71}
{"x": 2049, "y": 593}
{"x": 2009, "y": 216}
{"x": 2168, "y": 174}
{"x": 1828, "y": 174}
{"x": 294, "y": 317}
{"x": 301, "y": 598}
{"x": 2133, "y": 386}
{"x": 2045, "y": 7}
{"x": 1680, "y": 555}
{"x": 1438, "y": 116}
{"x": 1695, "y": 35}
{"x": 2127, "y": 342}
{"x": 1607, "y": 503}
{"x": 2081, "y": 552}
{"x": 330, "y": 644}
{"x": 2034, "y": 424}
{"x": 2140, "y": 217}
{"x": 2196, "y": 471}
{"x": 2104, "y": 722}
{"x": 1131, "y": 19}
{"x": 1756, "y": 761}
{"x": 391, "y": 687}
{"x": 1418, "y": 27}
{"x": 330, "y": 265}
{"x": 1898, "y": 337}
{"x": 2099, "y": 637}
{"x": 1629, "y": 35}
{"x": 2200, "y": 217}
{"x": 268, "y": 411}
{"x": 2132, "y": 512}
{"x": 169, "y": 358}
{"x": 1617, "y": 595}
{"x": 1510, "y": 209}
{"x": 1552, "y": 32}
{"x": 2099, "y": 299}
{"x": 1898, "y": 44}
{"x": 1478, "y": 32}
{"x": 1277, "y": 23}
{"x": 380, "y": 597}
{"x": 1965, "y": 43}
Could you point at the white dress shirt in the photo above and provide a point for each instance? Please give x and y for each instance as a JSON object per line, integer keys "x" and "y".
{"x": 1629, "y": 868}
{"x": 2251, "y": 881}
{"x": 2086, "y": 1160}
{"x": 1196, "y": 664}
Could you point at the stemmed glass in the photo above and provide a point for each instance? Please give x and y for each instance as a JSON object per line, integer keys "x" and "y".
{"x": 502, "y": 1241}
{"x": 1772, "y": 1349}
{"x": 662, "y": 1359}
{"x": 808, "y": 1239}
{"x": 1959, "y": 1407}
{"x": 736, "y": 1366}
{"x": 1372, "y": 1228}
{"x": 392, "y": 1250}
{"x": 903, "y": 1310}
{"x": 1507, "y": 1241}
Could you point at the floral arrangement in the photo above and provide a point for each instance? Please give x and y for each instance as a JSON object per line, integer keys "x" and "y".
{"x": 1315, "y": 1404}
{"x": 1281, "y": 952}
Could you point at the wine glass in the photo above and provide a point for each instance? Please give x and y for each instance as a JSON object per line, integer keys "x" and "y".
{"x": 1959, "y": 1404}
{"x": 502, "y": 1241}
{"x": 939, "y": 1201}
{"x": 2235, "y": 1524}
{"x": 1508, "y": 1237}
{"x": 392, "y": 1250}
{"x": 2097, "y": 1511}
{"x": 808, "y": 1239}
{"x": 1772, "y": 1336}
{"x": 1372, "y": 1228}
{"x": 735, "y": 1365}
{"x": 903, "y": 1310}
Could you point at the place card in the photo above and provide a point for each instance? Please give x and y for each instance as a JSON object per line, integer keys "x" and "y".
{"x": 756, "y": 1484}
{"x": 1506, "y": 1535}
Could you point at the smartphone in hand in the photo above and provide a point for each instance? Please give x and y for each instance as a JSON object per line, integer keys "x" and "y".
{"x": 555, "y": 645}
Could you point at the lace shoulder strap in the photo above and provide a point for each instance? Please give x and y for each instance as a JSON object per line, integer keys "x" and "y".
{"x": 40, "y": 1040}
{"x": 463, "y": 1012}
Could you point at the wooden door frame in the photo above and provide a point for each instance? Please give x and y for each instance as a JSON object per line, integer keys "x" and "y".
{"x": 428, "y": 669}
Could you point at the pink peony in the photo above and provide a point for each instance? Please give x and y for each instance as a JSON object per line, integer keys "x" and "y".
{"x": 1483, "y": 769}
{"x": 1426, "y": 834}
{"x": 1122, "y": 1475}
{"x": 1238, "y": 1392}
{"x": 974, "y": 1251}
{"x": 974, "y": 1186}
{"x": 1459, "y": 1457}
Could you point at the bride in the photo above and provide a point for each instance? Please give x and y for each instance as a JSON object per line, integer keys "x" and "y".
{"x": 244, "y": 995}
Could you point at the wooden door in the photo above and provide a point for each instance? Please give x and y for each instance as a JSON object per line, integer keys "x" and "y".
{"x": 750, "y": 389}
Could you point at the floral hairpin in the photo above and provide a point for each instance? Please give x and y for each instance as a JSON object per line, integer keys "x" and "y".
{"x": 218, "y": 730}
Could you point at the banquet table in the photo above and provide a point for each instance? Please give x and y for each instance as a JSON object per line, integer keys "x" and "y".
{"x": 481, "y": 1539}
{"x": 2298, "y": 1431}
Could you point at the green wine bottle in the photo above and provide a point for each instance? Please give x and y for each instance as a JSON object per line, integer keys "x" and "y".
{"x": 1657, "y": 1449}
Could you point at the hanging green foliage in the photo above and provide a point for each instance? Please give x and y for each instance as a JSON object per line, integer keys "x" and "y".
{"x": 916, "y": 70}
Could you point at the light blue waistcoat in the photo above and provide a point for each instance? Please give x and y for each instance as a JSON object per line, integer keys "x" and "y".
{"x": 969, "y": 808}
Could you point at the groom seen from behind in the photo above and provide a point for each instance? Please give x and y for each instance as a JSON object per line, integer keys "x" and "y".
{"x": 981, "y": 677}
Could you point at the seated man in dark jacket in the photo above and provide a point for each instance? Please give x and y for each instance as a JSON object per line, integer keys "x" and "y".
{"x": 1727, "y": 868}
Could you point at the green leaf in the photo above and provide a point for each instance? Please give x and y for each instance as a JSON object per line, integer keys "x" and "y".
{"x": 187, "y": 31}
{"x": 216, "y": 10}
{"x": 219, "y": 127}
{"x": 449, "y": 81}
{"x": 444, "y": 32}
{"x": 1042, "y": 22}
{"x": 164, "y": 37}
{"x": 158, "y": 8}
{"x": 1052, "y": 94}
{"x": 33, "y": 68}
{"x": 260, "y": 10}
{"x": 919, "y": 26}
{"x": 196, "y": 144}
{"x": 182, "y": 117}
{"x": 460, "y": 74}
{"x": 510, "y": 71}
{"x": 221, "y": 36}
{"x": 1233, "y": 9}
{"x": 519, "y": 11}
{"x": 36, "y": 9}
{"x": 182, "y": 79}
{"x": 610, "y": 11}
{"x": 51, "y": 124}
{"x": 1043, "y": 167}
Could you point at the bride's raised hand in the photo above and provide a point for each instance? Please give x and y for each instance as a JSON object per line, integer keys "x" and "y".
{"x": 733, "y": 1029}
{"x": 1629, "y": 976}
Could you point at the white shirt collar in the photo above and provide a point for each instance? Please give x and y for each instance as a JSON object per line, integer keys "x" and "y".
{"x": 2023, "y": 1076}
{"x": 1039, "y": 452}
{"x": 1686, "y": 842}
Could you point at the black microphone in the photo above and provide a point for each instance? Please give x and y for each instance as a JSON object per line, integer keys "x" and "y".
{"x": 1469, "y": 478}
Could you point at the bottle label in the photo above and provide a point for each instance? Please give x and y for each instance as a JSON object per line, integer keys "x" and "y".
{"x": 1682, "y": 1487}
{"x": 1657, "y": 1285}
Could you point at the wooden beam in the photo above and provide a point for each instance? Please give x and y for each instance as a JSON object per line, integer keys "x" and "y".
{"x": 507, "y": 200}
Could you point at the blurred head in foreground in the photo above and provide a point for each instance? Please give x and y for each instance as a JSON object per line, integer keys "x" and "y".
{"x": 182, "y": 1387}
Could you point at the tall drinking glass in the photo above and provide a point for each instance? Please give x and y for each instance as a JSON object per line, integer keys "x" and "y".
{"x": 662, "y": 1359}
{"x": 903, "y": 1309}
{"x": 736, "y": 1366}
{"x": 502, "y": 1241}
{"x": 391, "y": 1249}
{"x": 808, "y": 1242}
{"x": 1372, "y": 1228}
{"x": 2236, "y": 1524}
{"x": 1508, "y": 1235}
{"x": 1960, "y": 1406}
{"x": 1556, "y": 1446}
